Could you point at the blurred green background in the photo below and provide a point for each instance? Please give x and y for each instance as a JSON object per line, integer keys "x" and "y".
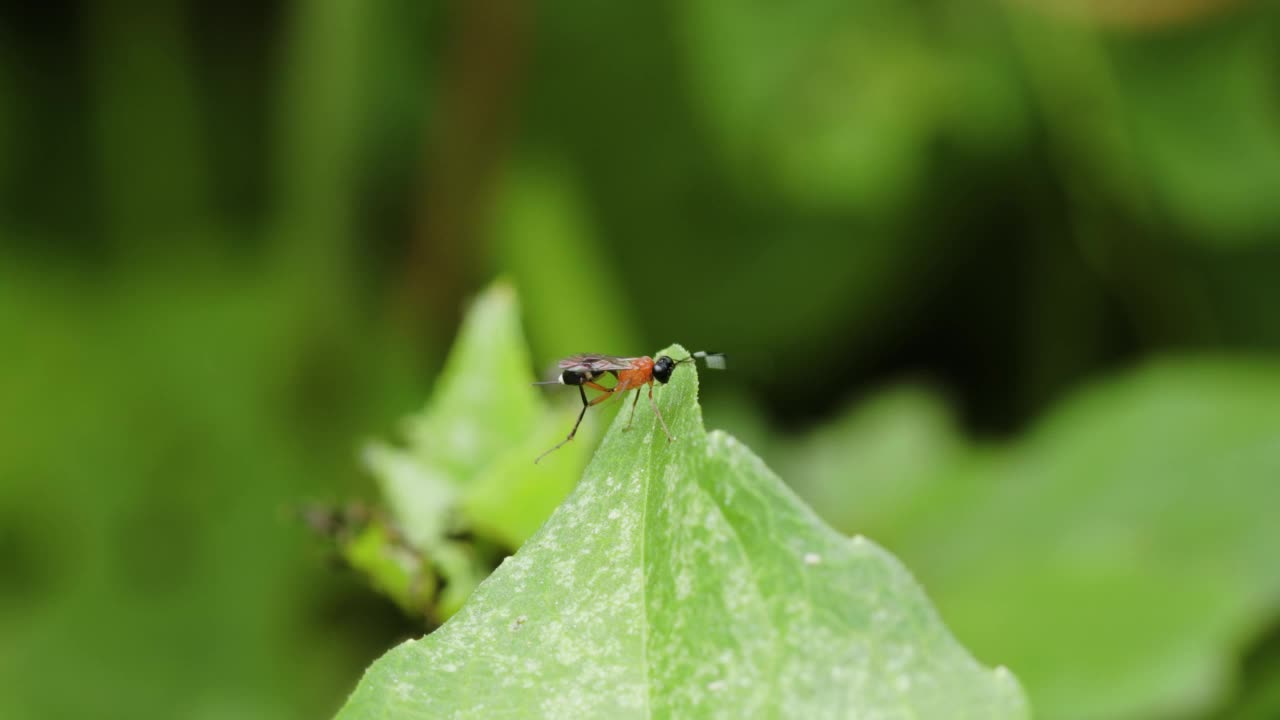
{"x": 1001, "y": 284}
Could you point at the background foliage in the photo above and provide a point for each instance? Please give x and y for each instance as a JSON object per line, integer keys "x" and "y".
{"x": 1000, "y": 281}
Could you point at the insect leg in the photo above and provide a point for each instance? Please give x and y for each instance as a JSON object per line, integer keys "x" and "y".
{"x": 659, "y": 414}
{"x": 574, "y": 431}
{"x": 585, "y": 404}
{"x": 634, "y": 402}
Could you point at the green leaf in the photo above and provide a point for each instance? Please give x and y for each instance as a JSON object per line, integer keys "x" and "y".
{"x": 396, "y": 569}
{"x": 870, "y": 470}
{"x": 485, "y": 400}
{"x": 1144, "y": 513}
{"x": 685, "y": 579}
{"x": 1120, "y": 556}
{"x": 837, "y": 105}
{"x": 468, "y": 464}
{"x": 1216, "y": 174}
{"x": 483, "y": 427}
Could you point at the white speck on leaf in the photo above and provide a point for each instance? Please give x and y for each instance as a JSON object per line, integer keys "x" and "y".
{"x": 812, "y": 558}
{"x": 684, "y": 585}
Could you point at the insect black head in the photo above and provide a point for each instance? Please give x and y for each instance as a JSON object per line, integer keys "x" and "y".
{"x": 662, "y": 369}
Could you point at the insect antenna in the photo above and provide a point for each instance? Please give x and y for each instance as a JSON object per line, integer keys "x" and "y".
{"x": 711, "y": 360}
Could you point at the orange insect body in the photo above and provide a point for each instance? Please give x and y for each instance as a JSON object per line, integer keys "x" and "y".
{"x": 641, "y": 373}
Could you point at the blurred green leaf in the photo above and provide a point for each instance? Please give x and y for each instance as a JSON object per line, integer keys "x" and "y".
{"x": 484, "y": 400}
{"x": 1147, "y": 144}
{"x": 396, "y": 568}
{"x": 1216, "y": 174}
{"x": 468, "y": 464}
{"x": 152, "y": 431}
{"x": 1129, "y": 537}
{"x": 868, "y": 470}
{"x": 826, "y": 103}
{"x": 684, "y": 579}
{"x": 835, "y": 105}
{"x": 1144, "y": 513}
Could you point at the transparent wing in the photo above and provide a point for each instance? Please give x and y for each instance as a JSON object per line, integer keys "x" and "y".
{"x": 594, "y": 363}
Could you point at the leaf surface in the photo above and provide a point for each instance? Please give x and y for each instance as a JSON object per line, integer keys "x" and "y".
{"x": 684, "y": 579}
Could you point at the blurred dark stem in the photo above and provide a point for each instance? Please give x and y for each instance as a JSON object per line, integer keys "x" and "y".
{"x": 1258, "y": 694}
{"x": 481, "y": 72}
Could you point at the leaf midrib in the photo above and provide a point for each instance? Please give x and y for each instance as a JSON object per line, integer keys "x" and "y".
{"x": 644, "y": 592}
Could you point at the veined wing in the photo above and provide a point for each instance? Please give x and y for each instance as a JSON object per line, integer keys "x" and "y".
{"x": 587, "y": 362}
